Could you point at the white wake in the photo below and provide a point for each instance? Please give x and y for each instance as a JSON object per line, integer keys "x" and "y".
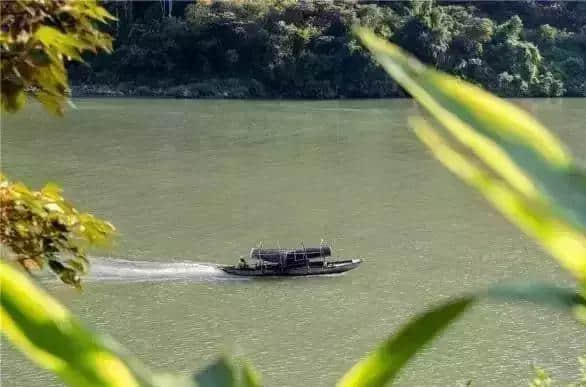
{"x": 119, "y": 269}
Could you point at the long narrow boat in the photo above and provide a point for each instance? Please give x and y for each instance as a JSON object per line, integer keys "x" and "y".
{"x": 290, "y": 262}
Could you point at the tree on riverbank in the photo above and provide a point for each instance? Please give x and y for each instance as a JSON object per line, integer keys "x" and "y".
{"x": 303, "y": 49}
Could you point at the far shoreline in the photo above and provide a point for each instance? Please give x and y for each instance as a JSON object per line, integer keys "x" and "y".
{"x": 181, "y": 92}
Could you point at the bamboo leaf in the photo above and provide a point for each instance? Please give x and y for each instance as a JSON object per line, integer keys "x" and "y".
{"x": 227, "y": 372}
{"x": 220, "y": 373}
{"x": 384, "y": 363}
{"x": 479, "y": 109}
{"x": 532, "y": 216}
{"x": 537, "y": 293}
{"x": 250, "y": 377}
{"x": 51, "y": 337}
{"x": 382, "y": 366}
{"x": 506, "y": 138}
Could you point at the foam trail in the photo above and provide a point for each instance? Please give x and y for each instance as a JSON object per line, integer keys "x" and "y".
{"x": 118, "y": 269}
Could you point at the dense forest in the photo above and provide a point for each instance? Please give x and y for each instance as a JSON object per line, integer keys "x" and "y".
{"x": 305, "y": 49}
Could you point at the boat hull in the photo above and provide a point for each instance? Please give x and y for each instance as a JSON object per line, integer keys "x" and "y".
{"x": 314, "y": 268}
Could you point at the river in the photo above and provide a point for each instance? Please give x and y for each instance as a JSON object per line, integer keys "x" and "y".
{"x": 194, "y": 182}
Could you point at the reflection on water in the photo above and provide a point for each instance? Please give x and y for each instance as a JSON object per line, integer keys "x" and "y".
{"x": 190, "y": 184}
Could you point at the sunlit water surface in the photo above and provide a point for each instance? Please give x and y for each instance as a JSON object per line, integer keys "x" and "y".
{"x": 190, "y": 184}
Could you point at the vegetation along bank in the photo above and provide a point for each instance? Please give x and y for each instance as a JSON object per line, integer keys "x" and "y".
{"x": 304, "y": 49}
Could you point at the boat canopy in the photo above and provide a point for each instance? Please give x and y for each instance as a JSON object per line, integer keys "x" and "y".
{"x": 286, "y": 256}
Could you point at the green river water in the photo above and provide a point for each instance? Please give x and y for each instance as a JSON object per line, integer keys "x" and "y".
{"x": 191, "y": 182}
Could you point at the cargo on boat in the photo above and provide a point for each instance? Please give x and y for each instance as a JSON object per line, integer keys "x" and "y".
{"x": 275, "y": 255}
{"x": 290, "y": 262}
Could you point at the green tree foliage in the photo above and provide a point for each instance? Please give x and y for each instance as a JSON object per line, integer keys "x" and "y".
{"x": 510, "y": 30}
{"x": 36, "y": 39}
{"x": 40, "y": 228}
{"x": 258, "y": 48}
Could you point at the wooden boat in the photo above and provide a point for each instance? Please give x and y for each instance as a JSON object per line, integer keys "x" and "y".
{"x": 290, "y": 262}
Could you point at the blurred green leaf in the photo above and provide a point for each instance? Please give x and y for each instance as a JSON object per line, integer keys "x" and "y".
{"x": 454, "y": 101}
{"x": 546, "y": 294}
{"x": 50, "y": 336}
{"x": 526, "y": 172}
{"x": 530, "y": 159}
{"x": 381, "y": 366}
{"x": 531, "y": 215}
{"x": 541, "y": 379}
{"x": 228, "y": 372}
{"x": 46, "y": 332}
{"x": 250, "y": 377}
{"x": 51, "y": 102}
{"x": 13, "y": 102}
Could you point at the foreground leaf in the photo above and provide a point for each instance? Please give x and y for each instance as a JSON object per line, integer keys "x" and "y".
{"x": 382, "y": 366}
{"x": 532, "y": 216}
{"x": 523, "y": 155}
{"x": 38, "y": 38}
{"x": 50, "y": 336}
{"x": 41, "y": 228}
{"x": 227, "y": 372}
